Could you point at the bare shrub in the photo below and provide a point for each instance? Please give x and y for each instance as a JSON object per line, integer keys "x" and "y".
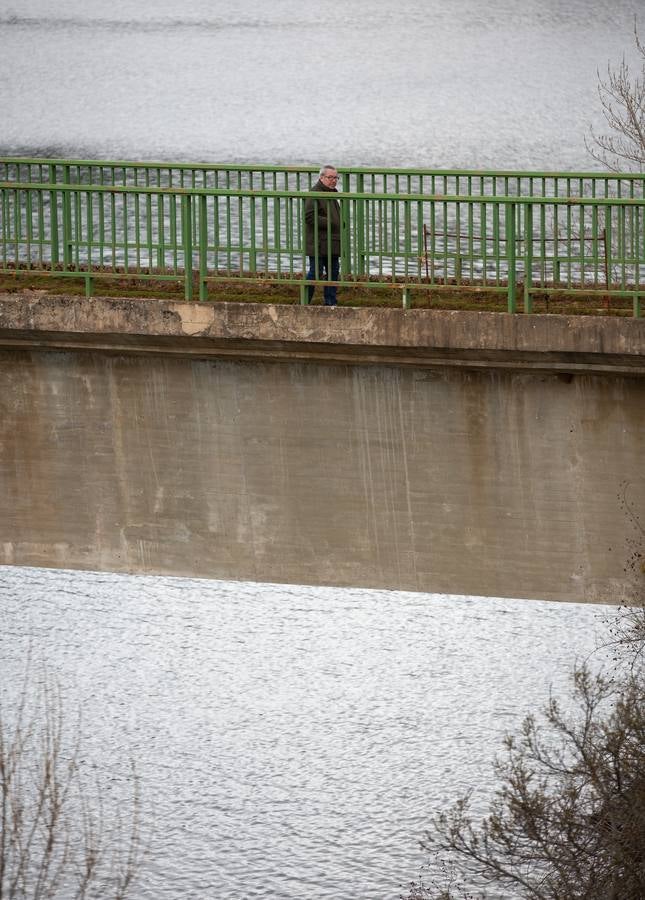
{"x": 622, "y": 101}
{"x": 567, "y": 821}
{"x": 627, "y": 629}
{"x": 57, "y": 839}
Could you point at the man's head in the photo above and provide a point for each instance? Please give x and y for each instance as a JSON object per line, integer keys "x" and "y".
{"x": 329, "y": 176}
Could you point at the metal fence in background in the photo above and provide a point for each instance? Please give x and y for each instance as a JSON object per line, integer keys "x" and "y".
{"x": 232, "y": 176}
{"x": 82, "y": 223}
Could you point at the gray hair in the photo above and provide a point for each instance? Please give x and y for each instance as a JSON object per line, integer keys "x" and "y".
{"x": 325, "y": 169}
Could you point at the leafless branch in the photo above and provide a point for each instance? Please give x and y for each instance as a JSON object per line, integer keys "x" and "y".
{"x": 54, "y": 840}
{"x": 568, "y": 820}
{"x": 622, "y": 102}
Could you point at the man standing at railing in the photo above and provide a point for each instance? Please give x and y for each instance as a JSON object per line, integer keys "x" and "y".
{"x": 322, "y": 235}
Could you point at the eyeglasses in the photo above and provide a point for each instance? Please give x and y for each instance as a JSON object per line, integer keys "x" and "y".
{"x": 331, "y": 177}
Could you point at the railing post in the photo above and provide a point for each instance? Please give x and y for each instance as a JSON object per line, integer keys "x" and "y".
{"x": 304, "y": 300}
{"x": 161, "y": 228}
{"x": 528, "y": 257}
{"x": 187, "y": 241}
{"x": 345, "y": 232}
{"x": 53, "y": 218}
{"x": 607, "y": 237}
{"x": 252, "y": 249}
{"x": 203, "y": 247}
{"x": 67, "y": 221}
{"x": 360, "y": 226}
{"x": 510, "y": 255}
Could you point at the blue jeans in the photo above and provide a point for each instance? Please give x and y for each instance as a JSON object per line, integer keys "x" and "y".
{"x": 324, "y": 271}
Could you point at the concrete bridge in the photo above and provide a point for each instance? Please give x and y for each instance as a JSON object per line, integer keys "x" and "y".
{"x": 460, "y": 452}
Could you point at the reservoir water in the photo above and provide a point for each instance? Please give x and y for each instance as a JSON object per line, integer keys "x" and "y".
{"x": 492, "y": 84}
{"x": 293, "y": 742}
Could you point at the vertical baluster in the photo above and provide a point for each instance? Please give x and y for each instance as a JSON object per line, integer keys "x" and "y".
{"x": 53, "y": 218}
{"x": 67, "y": 220}
{"x": 42, "y": 239}
{"x": 471, "y": 245}
{"x": 89, "y": 199}
{"x": 528, "y": 257}
{"x": 543, "y": 245}
{"x": 420, "y": 242}
{"x": 607, "y": 235}
{"x": 361, "y": 225}
{"x": 203, "y": 247}
{"x": 509, "y": 215}
{"x": 149, "y": 239}
{"x": 170, "y": 240}
{"x": 278, "y": 203}
{"x": 638, "y": 231}
{"x": 124, "y": 207}
{"x": 229, "y": 227}
{"x": 216, "y": 234}
{"x": 28, "y": 226}
{"x": 78, "y": 228}
{"x": 16, "y": 227}
{"x": 623, "y": 245}
{"x": 483, "y": 237}
{"x": 187, "y": 243}
{"x": 252, "y": 245}
{"x": 6, "y": 235}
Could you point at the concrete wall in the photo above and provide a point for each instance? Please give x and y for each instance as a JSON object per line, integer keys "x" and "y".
{"x": 463, "y": 479}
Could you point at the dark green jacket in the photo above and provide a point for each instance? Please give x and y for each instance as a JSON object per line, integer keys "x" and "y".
{"x": 323, "y": 215}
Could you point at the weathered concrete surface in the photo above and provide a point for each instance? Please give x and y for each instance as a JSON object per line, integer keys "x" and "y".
{"x": 434, "y": 476}
{"x": 344, "y": 334}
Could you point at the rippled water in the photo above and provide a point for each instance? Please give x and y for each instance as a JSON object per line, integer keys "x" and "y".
{"x": 420, "y": 82}
{"x": 292, "y": 741}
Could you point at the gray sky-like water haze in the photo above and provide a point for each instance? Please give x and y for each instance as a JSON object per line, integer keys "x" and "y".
{"x": 462, "y": 85}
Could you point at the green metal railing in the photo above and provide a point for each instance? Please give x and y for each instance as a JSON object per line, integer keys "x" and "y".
{"x": 521, "y": 244}
{"x": 231, "y": 176}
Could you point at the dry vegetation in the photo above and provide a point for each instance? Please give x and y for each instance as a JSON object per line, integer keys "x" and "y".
{"x": 621, "y": 93}
{"x": 237, "y": 291}
{"x": 567, "y": 821}
{"x": 60, "y": 838}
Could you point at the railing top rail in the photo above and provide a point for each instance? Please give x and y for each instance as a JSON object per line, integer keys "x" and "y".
{"x": 478, "y": 199}
{"x": 305, "y": 168}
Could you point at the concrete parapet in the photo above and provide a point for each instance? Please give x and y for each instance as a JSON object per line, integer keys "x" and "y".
{"x": 343, "y": 334}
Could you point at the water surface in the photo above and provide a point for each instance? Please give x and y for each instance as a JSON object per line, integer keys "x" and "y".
{"x": 292, "y": 741}
{"x": 467, "y": 84}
